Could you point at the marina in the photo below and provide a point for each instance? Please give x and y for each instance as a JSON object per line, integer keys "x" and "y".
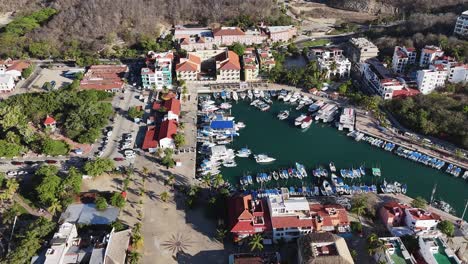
{"x": 360, "y": 167}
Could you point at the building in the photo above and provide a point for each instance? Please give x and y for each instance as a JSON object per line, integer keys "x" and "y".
{"x": 226, "y": 36}
{"x": 392, "y": 214}
{"x": 50, "y": 123}
{"x": 323, "y": 248}
{"x": 331, "y": 60}
{"x": 395, "y": 252}
{"x": 158, "y": 73}
{"x": 65, "y": 238}
{"x": 188, "y": 69}
{"x": 166, "y": 134}
{"x": 420, "y": 220}
{"x": 172, "y": 106}
{"x": 104, "y": 78}
{"x": 429, "y": 54}
{"x": 361, "y": 49}
{"x": 430, "y": 79}
{"x": 7, "y": 83}
{"x": 266, "y": 60}
{"x": 195, "y": 43}
{"x": 347, "y": 119}
{"x": 247, "y": 216}
{"x": 331, "y": 218}
{"x": 13, "y": 67}
{"x": 402, "y": 57}
{"x": 228, "y": 67}
{"x": 435, "y": 251}
{"x": 458, "y": 73}
{"x": 255, "y": 258}
{"x": 280, "y": 33}
{"x": 251, "y": 65}
{"x": 183, "y": 32}
{"x": 461, "y": 26}
{"x": 379, "y": 79}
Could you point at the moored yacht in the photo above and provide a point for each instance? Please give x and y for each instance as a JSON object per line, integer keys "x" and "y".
{"x": 299, "y": 119}
{"x": 283, "y": 114}
{"x": 306, "y": 122}
{"x": 243, "y": 153}
{"x": 262, "y": 158}
{"x": 332, "y": 167}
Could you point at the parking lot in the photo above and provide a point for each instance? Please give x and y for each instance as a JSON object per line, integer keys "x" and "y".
{"x": 49, "y": 75}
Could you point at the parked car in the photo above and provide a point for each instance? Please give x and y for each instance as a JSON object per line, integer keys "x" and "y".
{"x": 119, "y": 159}
{"x": 129, "y": 152}
{"x": 131, "y": 156}
{"x": 109, "y": 133}
{"x": 22, "y": 172}
{"x": 17, "y": 163}
{"x": 51, "y": 161}
{"x": 12, "y": 173}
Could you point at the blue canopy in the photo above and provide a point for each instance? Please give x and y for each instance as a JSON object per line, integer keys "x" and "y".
{"x": 222, "y": 124}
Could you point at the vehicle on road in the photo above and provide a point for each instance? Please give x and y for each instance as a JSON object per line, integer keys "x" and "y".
{"x": 129, "y": 152}
{"x": 12, "y": 173}
{"x": 51, "y": 161}
{"x": 119, "y": 159}
{"x": 17, "y": 163}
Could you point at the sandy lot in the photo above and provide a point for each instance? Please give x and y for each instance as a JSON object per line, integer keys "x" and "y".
{"x": 48, "y": 75}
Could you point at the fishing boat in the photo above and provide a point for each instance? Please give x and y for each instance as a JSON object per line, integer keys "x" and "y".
{"x": 250, "y": 94}
{"x": 326, "y": 188}
{"x": 332, "y": 167}
{"x": 301, "y": 170}
{"x": 287, "y": 97}
{"x": 235, "y": 96}
{"x": 275, "y": 175}
{"x": 242, "y": 95}
{"x": 243, "y": 153}
{"x": 376, "y": 172}
{"x": 299, "y": 119}
{"x": 262, "y": 158}
{"x": 283, "y": 114}
{"x": 223, "y": 95}
{"x": 306, "y": 122}
{"x": 362, "y": 170}
{"x": 225, "y": 106}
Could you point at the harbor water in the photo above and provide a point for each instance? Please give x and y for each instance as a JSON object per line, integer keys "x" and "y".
{"x": 322, "y": 143}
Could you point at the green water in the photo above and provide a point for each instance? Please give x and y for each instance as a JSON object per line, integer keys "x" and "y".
{"x": 322, "y": 143}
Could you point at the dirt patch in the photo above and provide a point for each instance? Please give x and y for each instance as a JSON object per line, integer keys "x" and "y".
{"x": 308, "y": 10}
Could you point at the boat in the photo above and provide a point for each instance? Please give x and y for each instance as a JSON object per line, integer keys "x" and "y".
{"x": 295, "y": 97}
{"x": 316, "y": 190}
{"x": 287, "y": 97}
{"x": 283, "y": 114}
{"x": 316, "y": 106}
{"x": 301, "y": 169}
{"x": 332, "y": 167}
{"x": 282, "y": 94}
{"x": 285, "y": 174}
{"x": 299, "y": 119}
{"x": 240, "y": 125}
{"x": 242, "y": 95}
{"x": 225, "y": 106}
{"x": 264, "y": 107}
{"x": 243, "y": 153}
{"x": 256, "y": 93}
{"x": 262, "y": 158}
{"x": 444, "y": 206}
{"x": 229, "y": 164}
{"x": 306, "y": 122}
{"x": 299, "y": 107}
{"x": 362, "y": 170}
{"x": 261, "y": 94}
{"x": 223, "y": 95}
{"x": 275, "y": 175}
{"x": 250, "y": 94}
{"x": 235, "y": 96}
{"x": 376, "y": 172}
{"x": 267, "y": 100}
{"x": 273, "y": 93}
{"x": 326, "y": 188}
{"x": 337, "y": 181}
{"x": 255, "y": 102}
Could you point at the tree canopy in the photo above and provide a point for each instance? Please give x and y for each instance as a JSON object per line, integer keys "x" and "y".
{"x": 446, "y": 227}
{"x": 419, "y": 202}
{"x": 98, "y": 166}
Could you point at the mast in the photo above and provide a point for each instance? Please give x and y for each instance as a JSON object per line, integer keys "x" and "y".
{"x": 464, "y": 211}
{"x": 433, "y": 193}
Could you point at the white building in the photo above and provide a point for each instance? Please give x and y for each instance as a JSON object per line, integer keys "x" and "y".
{"x": 331, "y": 60}
{"x": 403, "y": 56}
{"x": 461, "y": 27}
{"x": 430, "y": 79}
{"x": 458, "y": 73}
{"x": 394, "y": 252}
{"x": 347, "y": 119}
{"x": 251, "y": 65}
{"x": 158, "y": 74}
{"x": 361, "y": 49}
{"x": 65, "y": 238}
{"x": 429, "y": 54}
{"x": 7, "y": 83}
{"x": 432, "y": 247}
{"x": 420, "y": 220}
{"x": 379, "y": 79}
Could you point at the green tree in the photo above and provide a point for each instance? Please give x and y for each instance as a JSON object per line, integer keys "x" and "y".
{"x": 354, "y": 254}
{"x": 118, "y": 200}
{"x": 167, "y": 160}
{"x": 256, "y": 242}
{"x": 374, "y": 244}
{"x": 101, "y": 203}
{"x": 134, "y": 112}
{"x": 27, "y": 72}
{"x": 118, "y": 225}
{"x": 72, "y": 183}
{"x": 446, "y": 227}
{"x": 9, "y": 150}
{"x": 54, "y": 147}
{"x": 11, "y": 187}
{"x": 221, "y": 234}
{"x": 164, "y": 196}
{"x": 134, "y": 257}
{"x": 238, "y": 48}
{"x": 48, "y": 189}
{"x": 55, "y": 207}
{"x": 419, "y": 202}
{"x": 218, "y": 180}
{"x": 98, "y": 166}
{"x": 359, "y": 205}
{"x": 179, "y": 139}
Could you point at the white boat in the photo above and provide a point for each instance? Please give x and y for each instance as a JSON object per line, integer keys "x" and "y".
{"x": 283, "y": 115}
{"x": 240, "y": 125}
{"x": 332, "y": 167}
{"x": 250, "y": 94}
{"x": 243, "y": 95}
{"x": 235, "y": 96}
{"x": 255, "y": 102}
{"x": 229, "y": 164}
{"x": 256, "y": 93}
{"x": 306, "y": 122}
{"x": 316, "y": 106}
{"x": 295, "y": 97}
{"x": 326, "y": 188}
{"x": 299, "y": 119}
{"x": 243, "y": 153}
{"x": 225, "y": 106}
{"x": 262, "y": 158}
{"x": 282, "y": 94}
{"x": 287, "y": 97}
{"x": 262, "y": 94}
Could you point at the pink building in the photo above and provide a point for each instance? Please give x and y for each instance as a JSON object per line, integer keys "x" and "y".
{"x": 281, "y": 33}
{"x": 229, "y": 35}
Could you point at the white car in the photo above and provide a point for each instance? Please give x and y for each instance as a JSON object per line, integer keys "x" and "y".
{"x": 109, "y": 133}
{"x": 22, "y": 172}
{"x": 128, "y": 152}
{"x": 131, "y": 156}
{"x": 12, "y": 173}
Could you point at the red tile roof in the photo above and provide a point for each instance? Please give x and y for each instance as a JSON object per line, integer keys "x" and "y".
{"x": 240, "y": 216}
{"x": 290, "y": 221}
{"x": 420, "y": 214}
{"x": 173, "y": 105}
{"x": 331, "y": 215}
{"x": 150, "y": 138}
{"x": 405, "y": 92}
{"x": 228, "y": 31}
{"x": 168, "y": 129}
{"x": 230, "y": 61}
{"x": 104, "y": 77}
{"x": 49, "y": 121}
{"x": 194, "y": 58}
{"x": 18, "y": 65}
{"x": 187, "y": 66}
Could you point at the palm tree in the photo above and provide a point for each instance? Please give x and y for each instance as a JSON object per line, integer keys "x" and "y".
{"x": 164, "y": 196}
{"x": 145, "y": 171}
{"x": 256, "y": 242}
{"x": 11, "y": 187}
{"x": 333, "y": 67}
{"x": 54, "y": 207}
{"x": 206, "y": 179}
{"x": 171, "y": 180}
{"x": 218, "y": 180}
{"x": 134, "y": 257}
{"x": 137, "y": 240}
{"x": 221, "y": 234}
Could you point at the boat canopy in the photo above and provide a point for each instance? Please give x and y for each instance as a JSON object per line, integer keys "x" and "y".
{"x": 222, "y": 124}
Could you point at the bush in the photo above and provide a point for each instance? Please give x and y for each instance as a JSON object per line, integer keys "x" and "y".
{"x": 27, "y": 72}
{"x": 446, "y": 227}
{"x": 356, "y": 227}
{"x": 54, "y": 147}
{"x": 118, "y": 200}
{"x": 101, "y": 203}
{"x": 98, "y": 166}
{"x": 419, "y": 202}
{"x": 134, "y": 112}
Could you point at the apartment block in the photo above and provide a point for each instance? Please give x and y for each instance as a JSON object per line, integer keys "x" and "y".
{"x": 158, "y": 73}
{"x": 251, "y": 65}
{"x": 323, "y": 248}
{"x": 361, "y": 49}
{"x": 430, "y": 79}
{"x": 429, "y": 54}
{"x": 229, "y": 35}
{"x": 7, "y": 83}
{"x": 458, "y": 73}
{"x": 421, "y": 220}
{"x": 434, "y": 250}
{"x": 280, "y": 33}
{"x": 379, "y": 79}
{"x": 402, "y": 57}
{"x": 461, "y": 26}
{"x": 266, "y": 59}
{"x": 395, "y": 252}
{"x": 331, "y": 60}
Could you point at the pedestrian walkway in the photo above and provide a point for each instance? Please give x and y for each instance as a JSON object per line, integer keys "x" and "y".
{"x": 31, "y": 210}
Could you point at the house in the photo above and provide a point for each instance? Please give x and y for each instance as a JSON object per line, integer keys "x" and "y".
{"x": 50, "y": 123}
{"x": 172, "y": 106}
{"x": 63, "y": 240}
{"x": 255, "y": 258}
{"x": 104, "y": 78}
{"x": 329, "y": 218}
{"x": 228, "y": 67}
{"x": 323, "y": 248}
{"x": 226, "y": 36}
{"x": 395, "y": 252}
{"x": 266, "y": 60}
{"x": 434, "y": 250}
{"x": 458, "y": 73}
{"x": 331, "y": 60}
{"x": 402, "y": 57}
{"x": 115, "y": 252}
{"x": 280, "y": 33}
{"x": 393, "y": 214}
{"x": 150, "y": 142}
{"x": 420, "y": 220}
{"x": 16, "y": 67}
{"x": 189, "y": 68}
{"x": 430, "y": 79}
{"x": 247, "y": 216}
{"x": 251, "y": 65}
{"x": 7, "y": 83}
{"x": 194, "y": 43}
{"x": 166, "y": 134}
{"x": 158, "y": 74}
{"x": 429, "y": 54}
{"x": 183, "y": 32}
{"x": 379, "y": 79}
{"x": 361, "y": 49}
{"x": 461, "y": 26}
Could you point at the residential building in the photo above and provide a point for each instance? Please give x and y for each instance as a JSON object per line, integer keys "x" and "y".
{"x": 429, "y": 54}
{"x": 228, "y": 67}
{"x": 195, "y": 43}
{"x": 323, "y": 248}
{"x": 166, "y": 134}
{"x": 395, "y": 252}
{"x": 458, "y": 73}
{"x": 330, "y": 217}
{"x": 266, "y": 60}
{"x": 402, "y": 57}
{"x": 255, "y": 258}
{"x": 331, "y": 60}
{"x": 251, "y": 65}
{"x": 461, "y": 26}
{"x": 115, "y": 250}
{"x": 172, "y": 106}
{"x": 104, "y": 78}
{"x": 379, "y": 79}
{"x": 392, "y": 214}
{"x": 7, "y": 83}
{"x": 227, "y": 36}
{"x": 183, "y": 32}
{"x": 361, "y": 49}
{"x": 247, "y": 216}
{"x": 158, "y": 73}
{"x": 421, "y": 220}
{"x": 50, "y": 123}
{"x": 280, "y": 33}
{"x": 435, "y": 251}
{"x": 65, "y": 238}
{"x": 189, "y": 68}
{"x": 430, "y": 79}
{"x": 13, "y": 67}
